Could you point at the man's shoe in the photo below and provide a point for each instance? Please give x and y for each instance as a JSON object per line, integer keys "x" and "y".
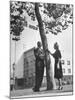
{"x": 36, "y": 90}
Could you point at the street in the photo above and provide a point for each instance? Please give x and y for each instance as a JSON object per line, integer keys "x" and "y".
{"x": 67, "y": 90}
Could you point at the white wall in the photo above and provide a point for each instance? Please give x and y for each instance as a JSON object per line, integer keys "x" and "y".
{"x": 19, "y": 68}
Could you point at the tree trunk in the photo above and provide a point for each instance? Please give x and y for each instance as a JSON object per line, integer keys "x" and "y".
{"x": 49, "y": 72}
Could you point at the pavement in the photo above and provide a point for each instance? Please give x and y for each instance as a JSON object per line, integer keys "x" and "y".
{"x": 26, "y": 93}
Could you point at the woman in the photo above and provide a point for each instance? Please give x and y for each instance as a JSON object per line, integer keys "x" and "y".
{"x": 58, "y": 67}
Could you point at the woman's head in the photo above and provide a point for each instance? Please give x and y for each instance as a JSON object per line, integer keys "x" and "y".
{"x": 56, "y": 46}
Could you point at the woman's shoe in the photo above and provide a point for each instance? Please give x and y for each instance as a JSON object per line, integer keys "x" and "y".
{"x": 60, "y": 88}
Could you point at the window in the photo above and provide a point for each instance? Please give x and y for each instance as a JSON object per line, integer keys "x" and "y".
{"x": 68, "y": 62}
{"x": 26, "y": 62}
{"x": 63, "y": 70}
{"x": 31, "y": 61}
{"x": 63, "y": 62}
{"x": 69, "y": 70}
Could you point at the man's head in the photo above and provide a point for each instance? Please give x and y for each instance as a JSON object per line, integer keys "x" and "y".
{"x": 39, "y": 44}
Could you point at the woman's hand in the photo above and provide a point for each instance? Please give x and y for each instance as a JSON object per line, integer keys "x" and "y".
{"x": 49, "y": 52}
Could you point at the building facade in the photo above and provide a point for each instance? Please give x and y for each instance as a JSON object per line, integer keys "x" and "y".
{"x": 29, "y": 68}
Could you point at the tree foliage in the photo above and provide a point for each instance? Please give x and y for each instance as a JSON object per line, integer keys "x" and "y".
{"x": 16, "y": 18}
{"x": 55, "y": 17}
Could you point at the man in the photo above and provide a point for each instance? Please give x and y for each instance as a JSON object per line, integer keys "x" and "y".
{"x": 39, "y": 66}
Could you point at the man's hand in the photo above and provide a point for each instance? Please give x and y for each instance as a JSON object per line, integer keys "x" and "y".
{"x": 48, "y": 51}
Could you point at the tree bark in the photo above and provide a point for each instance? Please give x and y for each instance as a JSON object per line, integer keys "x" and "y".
{"x": 49, "y": 72}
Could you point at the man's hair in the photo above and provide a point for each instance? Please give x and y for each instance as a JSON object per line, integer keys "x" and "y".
{"x": 39, "y": 43}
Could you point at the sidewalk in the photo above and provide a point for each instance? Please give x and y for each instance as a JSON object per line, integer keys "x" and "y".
{"x": 67, "y": 90}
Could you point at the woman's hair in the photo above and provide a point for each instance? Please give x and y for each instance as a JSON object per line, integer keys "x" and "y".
{"x": 56, "y": 46}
